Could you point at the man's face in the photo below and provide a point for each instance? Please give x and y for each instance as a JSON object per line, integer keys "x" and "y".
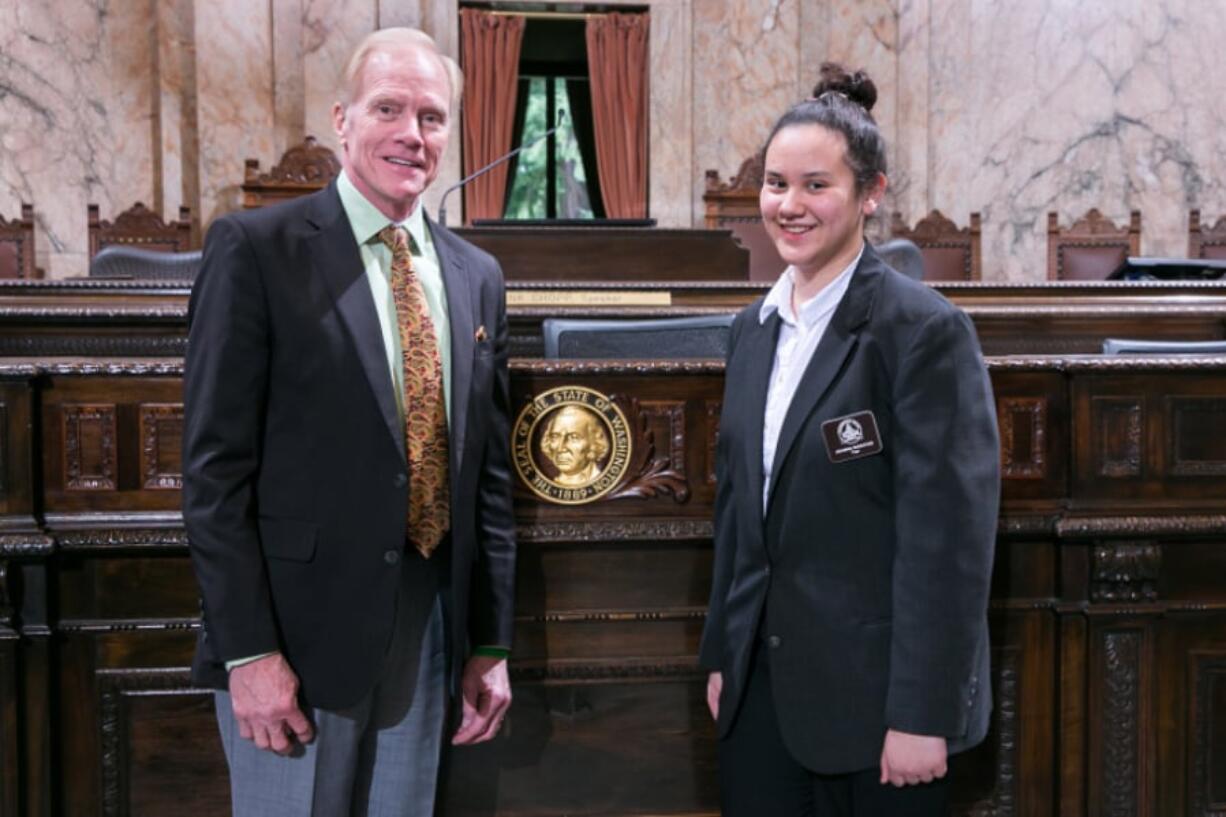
{"x": 395, "y": 128}
{"x": 568, "y": 441}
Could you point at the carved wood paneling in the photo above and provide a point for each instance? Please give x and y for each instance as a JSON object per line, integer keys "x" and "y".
{"x": 1023, "y": 431}
{"x": 1197, "y": 442}
{"x": 123, "y": 539}
{"x": 1117, "y": 423}
{"x": 628, "y": 530}
{"x": 7, "y": 603}
{"x": 1126, "y": 572}
{"x": 653, "y": 475}
{"x": 713, "y": 409}
{"x": 672, "y": 413}
{"x": 161, "y": 439}
{"x": 1006, "y": 678}
{"x": 628, "y": 669}
{"x": 4, "y": 453}
{"x": 50, "y": 345}
{"x": 118, "y": 690}
{"x": 89, "y": 447}
{"x": 1120, "y": 756}
{"x": 1207, "y": 778}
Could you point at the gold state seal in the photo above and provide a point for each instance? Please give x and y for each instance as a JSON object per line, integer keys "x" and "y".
{"x": 571, "y": 445}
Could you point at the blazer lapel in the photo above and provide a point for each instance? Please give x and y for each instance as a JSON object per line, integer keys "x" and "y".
{"x": 462, "y": 305}
{"x": 832, "y": 350}
{"x": 335, "y": 258}
{"x": 759, "y": 344}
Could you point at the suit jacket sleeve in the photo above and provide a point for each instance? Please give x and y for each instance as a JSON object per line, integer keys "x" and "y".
{"x": 947, "y": 489}
{"x": 492, "y": 602}
{"x": 711, "y": 649}
{"x": 224, "y": 392}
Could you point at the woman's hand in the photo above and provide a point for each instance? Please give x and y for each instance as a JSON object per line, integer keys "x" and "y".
{"x": 908, "y": 760}
{"x": 715, "y": 685}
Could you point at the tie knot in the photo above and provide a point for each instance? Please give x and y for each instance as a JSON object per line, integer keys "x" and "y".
{"x": 396, "y": 238}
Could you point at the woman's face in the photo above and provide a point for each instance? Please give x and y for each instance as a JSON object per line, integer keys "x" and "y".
{"x": 809, "y": 202}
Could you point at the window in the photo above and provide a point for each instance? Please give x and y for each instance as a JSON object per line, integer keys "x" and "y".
{"x": 549, "y": 179}
{"x": 557, "y": 177}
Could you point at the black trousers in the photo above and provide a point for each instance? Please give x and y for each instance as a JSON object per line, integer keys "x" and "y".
{"x": 760, "y": 778}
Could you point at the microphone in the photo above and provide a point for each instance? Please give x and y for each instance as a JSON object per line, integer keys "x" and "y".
{"x": 442, "y": 205}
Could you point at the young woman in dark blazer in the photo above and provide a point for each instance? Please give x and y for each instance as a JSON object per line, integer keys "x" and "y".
{"x": 856, "y": 510}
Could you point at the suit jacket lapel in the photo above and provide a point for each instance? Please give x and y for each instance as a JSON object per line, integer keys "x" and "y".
{"x": 759, "y": 341}
{"x": 462, "y": 305}
{"x": 832, "y": 350}
{"x": 335, "y": 258}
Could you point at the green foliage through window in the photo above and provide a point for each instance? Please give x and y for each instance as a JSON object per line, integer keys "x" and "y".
{"x": 531, "y": 184}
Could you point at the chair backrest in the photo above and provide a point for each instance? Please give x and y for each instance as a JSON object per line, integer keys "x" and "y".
{"x": 705, "y": 336}
{"x": 904, "y": 256}
{"x": 950, "y": 252}
{"x": 303, "y": 169}
{"x": 17, "y": 245}
{"x": 1206, "y": 242}
{"x": 1092, "y": 248}
{"x": 733, "y": 205}
{"x": 1125, "y": 346}
{"x": 132, "y": 262}
{"x": 142, "y": 228}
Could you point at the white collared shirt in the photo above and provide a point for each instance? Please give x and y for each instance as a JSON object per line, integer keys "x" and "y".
{"x": 798, "y": 339}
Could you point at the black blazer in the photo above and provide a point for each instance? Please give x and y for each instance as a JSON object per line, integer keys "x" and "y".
{"x": 867, "y": 577}
{"x": 295, "y": 477}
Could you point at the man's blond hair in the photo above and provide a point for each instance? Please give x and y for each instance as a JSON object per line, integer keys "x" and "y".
{"x": 387, "y": 39}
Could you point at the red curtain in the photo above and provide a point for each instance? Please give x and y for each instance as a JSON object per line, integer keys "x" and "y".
{"x": 489, "y": 55}
{"x": 617, "y": 63}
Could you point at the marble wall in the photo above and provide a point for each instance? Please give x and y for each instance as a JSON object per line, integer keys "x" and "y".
{"x": 1009, "y": 109}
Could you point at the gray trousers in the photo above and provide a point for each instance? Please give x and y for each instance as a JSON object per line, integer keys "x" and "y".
{"x": 378, "y": 758}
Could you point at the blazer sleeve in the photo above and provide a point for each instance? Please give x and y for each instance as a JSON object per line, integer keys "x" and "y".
{"x": 711, "y": 647}
{"x": 492, "y": 601}
{"x": 224, "y": 393}
{"x": 947, "y": 491}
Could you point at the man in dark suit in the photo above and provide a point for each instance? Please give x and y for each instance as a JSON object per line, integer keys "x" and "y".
{"x": 848, "y": 606}
{"x": 346, "y": 486}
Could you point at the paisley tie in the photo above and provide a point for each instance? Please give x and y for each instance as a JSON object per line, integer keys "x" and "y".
{"x": 425, "y": 414}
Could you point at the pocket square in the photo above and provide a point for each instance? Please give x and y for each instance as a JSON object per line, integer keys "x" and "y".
{"x": 480, "y": 335}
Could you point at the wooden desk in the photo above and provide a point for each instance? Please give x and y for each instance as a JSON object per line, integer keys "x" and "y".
{"x": 623, "y": 254}
{"x": 1108, "y": 608}
{"x": 143, "y": 319}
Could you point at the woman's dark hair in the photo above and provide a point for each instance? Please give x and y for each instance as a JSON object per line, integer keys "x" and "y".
{"x": 842, "y": 102}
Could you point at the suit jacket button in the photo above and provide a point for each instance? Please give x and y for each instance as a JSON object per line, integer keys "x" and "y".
{"x": 400, "y": 480}
{"x": 774, "y": 641}
{"x": 391, "y": 557}
{"x": 767, "y": 570}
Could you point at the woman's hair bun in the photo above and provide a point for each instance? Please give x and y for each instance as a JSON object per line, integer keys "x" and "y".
{"x": 855, "y": 86}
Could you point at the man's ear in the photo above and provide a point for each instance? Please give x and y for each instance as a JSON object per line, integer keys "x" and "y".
{"x": 338, "y": 122}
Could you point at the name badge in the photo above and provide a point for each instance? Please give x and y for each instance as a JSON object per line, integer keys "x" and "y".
{"x": 852, "y": 436}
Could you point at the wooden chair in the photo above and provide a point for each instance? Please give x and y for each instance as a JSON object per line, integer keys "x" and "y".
{"x": 142, "y": 228}
{"x": 950, "y": 253}
{"x": 303, "y": 169}
{"x": 734, "y": 206}
{"x": 17, "y": 245}
{"x": 1092, "y": 248}
{"x": 1206, "y": 243}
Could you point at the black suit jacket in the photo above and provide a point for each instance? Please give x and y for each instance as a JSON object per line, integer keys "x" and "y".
{"x": 295, "y": 477}
{"x": 867, "y": 578}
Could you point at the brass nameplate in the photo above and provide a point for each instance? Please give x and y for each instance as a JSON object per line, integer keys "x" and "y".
{"x": 589, "y": 297}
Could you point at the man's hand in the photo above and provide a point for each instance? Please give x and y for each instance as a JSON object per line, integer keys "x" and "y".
{"x": 486, "y": 692}
{"x": 715, "y": 685}
{"x": 908, "y": 760}
{"x": 264, "y": 696}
